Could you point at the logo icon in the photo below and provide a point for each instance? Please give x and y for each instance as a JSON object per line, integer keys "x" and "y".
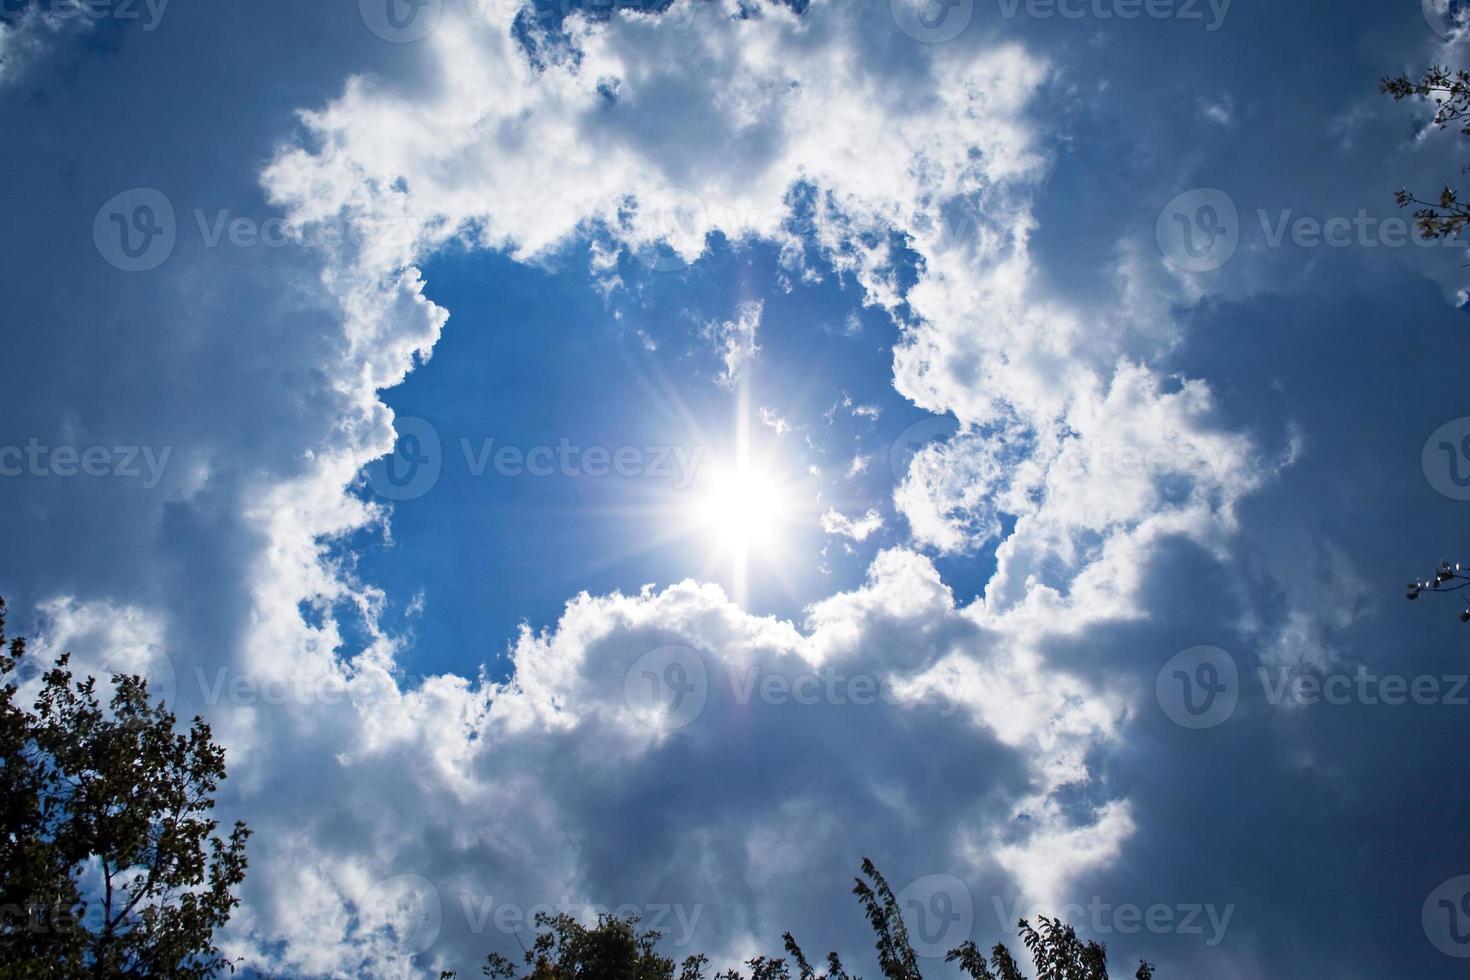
{"x": 935, "y": 428}
{"x": 1446, "y": 459}
{"x": 668, "y": 221}
{"x": 135, "y": 231}
{"x": 400, "y": 21}
{"x": 1198, "y": 687}
{"x": 932, "y": 21}
{"x": 1446, "y": 18}
{"x": 1446, "y": 917}
{"x": 1199, "y": 230}
{"x": 150, "y": 663}
{"x": 667, "y": 687}
{"x": 413, "y": 467}
{"x": 938, "y": 912}
{"x": 407, "y": 907}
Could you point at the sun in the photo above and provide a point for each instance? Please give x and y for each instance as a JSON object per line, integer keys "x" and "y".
{"x": 743, "y": 510}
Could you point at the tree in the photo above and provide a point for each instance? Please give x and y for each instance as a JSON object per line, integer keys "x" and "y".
{"x": 615, "y": 949}
{"x": 109, "y": 861}
{"x": 1446, "y": 578}
{"x": 1449, "y": 90}
{"x": 1442, "y": 218}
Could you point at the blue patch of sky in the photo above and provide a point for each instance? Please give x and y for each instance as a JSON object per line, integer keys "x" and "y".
{"x": 540, "y": 357}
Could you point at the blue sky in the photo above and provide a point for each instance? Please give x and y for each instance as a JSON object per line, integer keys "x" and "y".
{"x": 1093, "y": 400}
{"x": 541, "y": 361}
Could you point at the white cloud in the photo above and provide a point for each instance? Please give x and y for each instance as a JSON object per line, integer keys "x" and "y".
{"x": 773, "y": 420}
{"x": 767, "y": 102}
{"x": 25, "y": 31}
{"x": 734, "y": 341}
{"x": 545, "y": 784}
{"x": 749, "y": 109}
{"x": 857, "y": 528}
{"x": 1221, "y": 113}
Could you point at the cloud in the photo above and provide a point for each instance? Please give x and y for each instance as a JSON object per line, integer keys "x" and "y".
{"x": 1010, "y": 739}
{"x": 773, "y": 420}
{"x": 734, "y": 341}
{"x": 786, "y": 121}
{"x": 24, "y": 33}
{"x": 527, "y": 791}
{"x": 856, "y": 528}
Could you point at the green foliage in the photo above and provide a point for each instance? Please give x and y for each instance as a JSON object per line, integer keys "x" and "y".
{"x": 109, "y": 862}
{"x": 615, "y": 949}
{"x": 1446, "y": 215}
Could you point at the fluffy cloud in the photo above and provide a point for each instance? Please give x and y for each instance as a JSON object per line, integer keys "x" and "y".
{"x": 798, "y": 114}
{"x": 981, "y": 738}
{"x": 734, "y": 341}
{"x": 857, "y": 528}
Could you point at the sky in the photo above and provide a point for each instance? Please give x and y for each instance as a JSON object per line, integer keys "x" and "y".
{"x": 650, "y": 457}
